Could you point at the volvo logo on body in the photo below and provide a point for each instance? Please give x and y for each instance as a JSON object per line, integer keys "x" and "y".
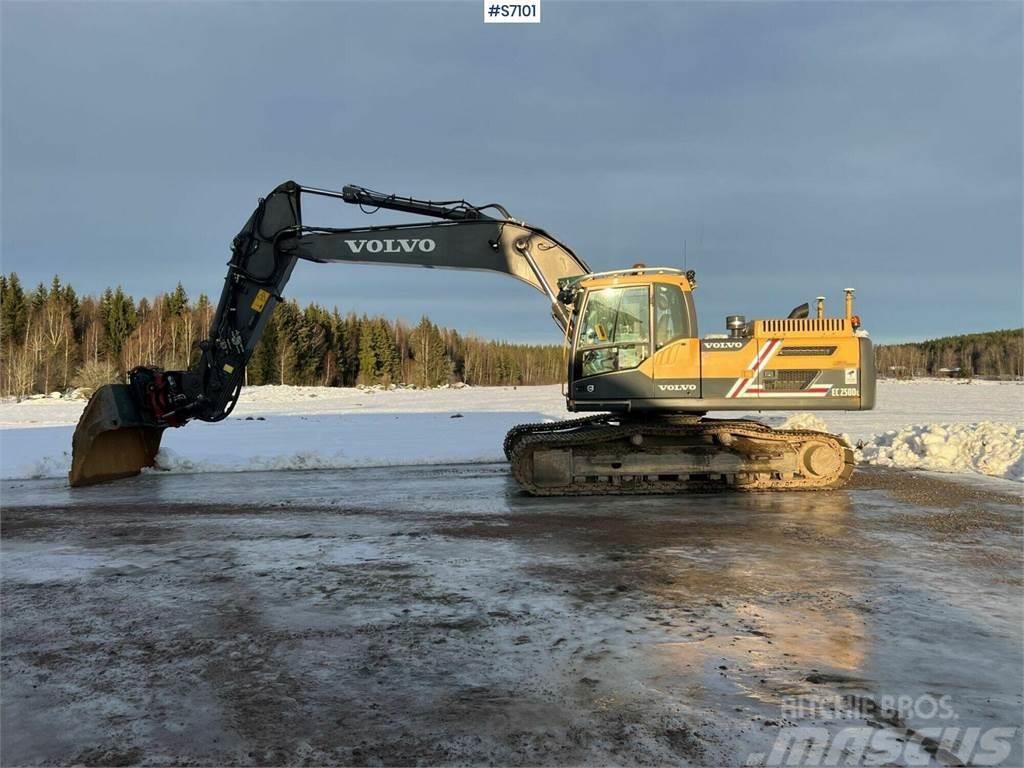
{"x": 677, "y": 387}
{"x": 399, "y": 245}
{"x": 724, "y": 344}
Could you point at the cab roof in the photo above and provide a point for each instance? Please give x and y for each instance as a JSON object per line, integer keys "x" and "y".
{"x": 639, "y": 274}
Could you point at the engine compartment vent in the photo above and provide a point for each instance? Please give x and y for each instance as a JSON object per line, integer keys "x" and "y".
{"x": 787, "y": 380}
{"x": 804, "y": 325}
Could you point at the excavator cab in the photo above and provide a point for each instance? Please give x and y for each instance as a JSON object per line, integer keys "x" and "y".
{"x": 636, "y": 350}
{"x": 630, "y": 330}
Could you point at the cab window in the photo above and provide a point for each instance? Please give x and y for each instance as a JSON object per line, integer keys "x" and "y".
{"x": 671, "y": 319}
{"x": 615, "y": 332}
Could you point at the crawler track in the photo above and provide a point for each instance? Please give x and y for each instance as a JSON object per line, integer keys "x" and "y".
{"x": 605, "y": 455}
{"x": 541, "y": 427}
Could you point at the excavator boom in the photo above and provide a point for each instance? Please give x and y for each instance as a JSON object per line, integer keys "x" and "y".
{"x": 120, "y": 430}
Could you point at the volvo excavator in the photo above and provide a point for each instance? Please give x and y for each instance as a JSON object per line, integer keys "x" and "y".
{"x": 636, "y": 364}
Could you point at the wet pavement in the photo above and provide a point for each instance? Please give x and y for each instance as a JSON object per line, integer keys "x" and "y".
{"x": 437, "y": 615}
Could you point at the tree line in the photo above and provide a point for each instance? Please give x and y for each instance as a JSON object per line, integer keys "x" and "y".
{"x": 53, "y": 339}
{"x": 997, "y": 354}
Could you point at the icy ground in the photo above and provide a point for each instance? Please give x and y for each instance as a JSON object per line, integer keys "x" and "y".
{"x": 435, "y": 616}
{"x": 948, "y": 426}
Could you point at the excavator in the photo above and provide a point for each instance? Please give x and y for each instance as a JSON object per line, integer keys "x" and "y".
{"x": 636, "y": 365}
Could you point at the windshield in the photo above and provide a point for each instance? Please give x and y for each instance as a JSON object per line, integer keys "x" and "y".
{"x": 615, "y": 332}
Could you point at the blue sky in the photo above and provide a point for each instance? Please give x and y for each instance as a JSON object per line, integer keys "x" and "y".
{"x": 795, "y": 148}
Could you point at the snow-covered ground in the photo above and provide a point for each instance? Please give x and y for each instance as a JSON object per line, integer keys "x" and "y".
{"x": 950, "y": 426}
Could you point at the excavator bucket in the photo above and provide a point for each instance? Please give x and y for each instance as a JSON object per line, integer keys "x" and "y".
{"x": 113, "y": 438}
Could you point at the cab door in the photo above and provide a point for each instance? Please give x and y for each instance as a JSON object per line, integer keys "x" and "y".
{"x": 676, "y": 346}
{"x": 613, "y": 342}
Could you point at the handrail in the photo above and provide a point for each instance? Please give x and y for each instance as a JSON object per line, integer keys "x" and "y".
{"x": 634, "y": 271}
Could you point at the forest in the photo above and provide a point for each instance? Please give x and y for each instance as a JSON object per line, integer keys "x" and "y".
{"x": 52, "y": 339}
{"x": 995, "y": 354}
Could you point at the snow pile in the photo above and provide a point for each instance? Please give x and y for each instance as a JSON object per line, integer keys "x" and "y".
{"x": 804, "y": 421}
{"x": 989, "y": 448}
{"x": 170, "y": 460}
{"x": 986, "y": 447}
{"x": 57, "y": 464}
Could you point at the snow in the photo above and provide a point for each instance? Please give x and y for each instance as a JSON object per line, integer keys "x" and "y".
{"x": 942, "y": 425}
{"x": 988, "y": 448}
{"x": 284, "y": 427}
{"x": 800, "y": 421}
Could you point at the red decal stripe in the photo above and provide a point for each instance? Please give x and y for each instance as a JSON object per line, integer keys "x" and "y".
{"x": 758, "y": 364}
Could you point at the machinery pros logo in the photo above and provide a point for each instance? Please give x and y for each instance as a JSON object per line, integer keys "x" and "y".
{"x": 398, "y": 245}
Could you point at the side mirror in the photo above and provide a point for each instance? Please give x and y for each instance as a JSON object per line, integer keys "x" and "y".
{"x": 799, "y": 313}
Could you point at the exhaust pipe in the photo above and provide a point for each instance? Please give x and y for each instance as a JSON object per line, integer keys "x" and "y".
{"x": 735, "y": 325}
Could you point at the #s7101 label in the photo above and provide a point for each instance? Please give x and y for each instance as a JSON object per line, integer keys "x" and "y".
{"x": 511, "y": 13}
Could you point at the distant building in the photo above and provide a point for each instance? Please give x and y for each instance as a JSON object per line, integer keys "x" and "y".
{"x": 951, "y": 373}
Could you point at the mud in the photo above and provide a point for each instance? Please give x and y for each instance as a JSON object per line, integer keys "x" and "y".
{"x": 438, "y": 616}
{"x": 931, "y": 489}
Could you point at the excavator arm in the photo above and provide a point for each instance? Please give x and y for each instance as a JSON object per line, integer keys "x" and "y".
{"x": 120, "y": 429}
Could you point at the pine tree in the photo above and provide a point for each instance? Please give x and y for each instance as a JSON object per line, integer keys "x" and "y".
{"x": 336, "y": 351}
{"x": 13, "y": 311}
{"x": 179, "y": 319}
{"x": 176, "y": 302}
{"x": 367, "y": 353}
{"x": 119, "y": 320}
{"x": 350, "y": 348}
{"x": 203, "y": 314}
{"x": 261, "y": 369}
{"x": 385, "y": 352}
{"x": 432, "y": 365}
{"x": 312, "y": 345}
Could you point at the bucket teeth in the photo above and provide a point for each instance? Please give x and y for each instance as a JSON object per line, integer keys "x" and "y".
{"x": 113, "y": 438}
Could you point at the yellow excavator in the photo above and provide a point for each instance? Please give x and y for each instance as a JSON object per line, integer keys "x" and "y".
{"x": 635, "y": 361}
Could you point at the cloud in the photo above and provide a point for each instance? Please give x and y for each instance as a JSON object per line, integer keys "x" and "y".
{"x": 793, "y": 148}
